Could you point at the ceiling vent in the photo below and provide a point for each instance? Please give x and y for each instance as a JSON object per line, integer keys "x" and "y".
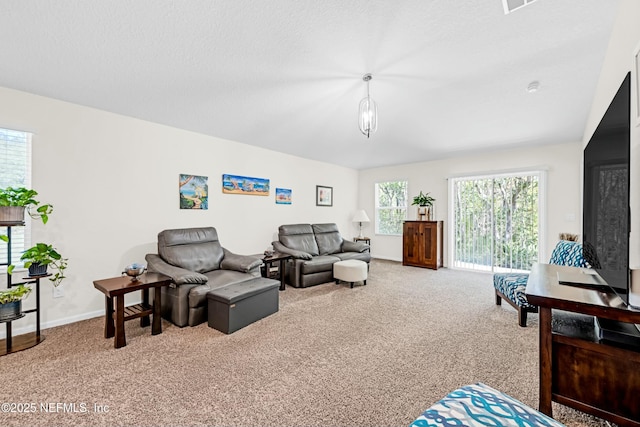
{"x": 511, "y": 5}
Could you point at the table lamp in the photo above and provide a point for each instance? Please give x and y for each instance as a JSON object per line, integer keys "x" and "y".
{"x": 360, "y": 217}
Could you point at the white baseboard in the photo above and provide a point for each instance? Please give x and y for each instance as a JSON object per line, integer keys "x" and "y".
{"x": 51, "y": 324}
{"x": 387, "y": 258}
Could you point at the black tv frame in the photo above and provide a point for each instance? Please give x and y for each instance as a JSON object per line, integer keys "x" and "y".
{"x": 606, "y": 213}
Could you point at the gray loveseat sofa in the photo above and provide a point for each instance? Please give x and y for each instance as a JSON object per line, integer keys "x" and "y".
{"x": 197, "y": 263}
{"x": 315, "y": 247}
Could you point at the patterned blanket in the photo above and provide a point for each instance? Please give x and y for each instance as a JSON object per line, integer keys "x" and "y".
{"x": 479, "y": 405}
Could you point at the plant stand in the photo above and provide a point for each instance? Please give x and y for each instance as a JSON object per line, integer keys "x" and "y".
{"x": 22, "y": 342}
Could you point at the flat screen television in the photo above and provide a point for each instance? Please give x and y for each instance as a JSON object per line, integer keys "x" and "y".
{"x": 606, "y": 212}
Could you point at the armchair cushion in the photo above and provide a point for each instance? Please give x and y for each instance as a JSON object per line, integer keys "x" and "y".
{"x": 349, "y": 246}
{"x": 279, "y": 247}
{"x": 242, "y": 263}
{"x": 328, "y": 238}
{"x": 195, "y": 249}
{"x": 299, "y": 237}
{"x": 180, "y": 276}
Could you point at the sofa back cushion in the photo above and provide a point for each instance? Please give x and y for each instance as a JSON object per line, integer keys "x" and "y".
{"x": 194, "y": 249}
{"x": 299, "y": 237}
{"x": 328, "y": 238}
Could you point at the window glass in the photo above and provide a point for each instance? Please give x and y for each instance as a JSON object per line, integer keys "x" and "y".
{"x": 15, "y": 171}
{"x": 391, "y": 207}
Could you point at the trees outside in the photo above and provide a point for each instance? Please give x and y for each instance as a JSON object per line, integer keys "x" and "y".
{"x": 391, "y": 209}
{"x": 496, "y": 222}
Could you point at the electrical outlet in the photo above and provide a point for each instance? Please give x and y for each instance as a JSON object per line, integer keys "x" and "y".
{"x": 58, "y": 291}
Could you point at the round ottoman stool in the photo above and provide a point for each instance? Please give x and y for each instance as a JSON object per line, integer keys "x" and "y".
{"x": 351, "y": 270}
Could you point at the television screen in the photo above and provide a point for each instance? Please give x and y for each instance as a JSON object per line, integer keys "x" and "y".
{"x": 606, "y": 214}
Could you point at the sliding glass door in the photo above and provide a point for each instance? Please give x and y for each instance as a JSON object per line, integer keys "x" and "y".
{"x": 496, "y": 221}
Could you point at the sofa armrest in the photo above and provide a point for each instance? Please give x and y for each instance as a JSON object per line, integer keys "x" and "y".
{"x": 349, "y": 246}
{"x": 179, "y": 275}
{"x": 242, "y": 263}
{"x": 279, "y": 247}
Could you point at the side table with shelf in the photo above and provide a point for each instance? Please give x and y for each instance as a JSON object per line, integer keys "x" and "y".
{"x": 13, "y": 344}
{"x": 271, "y": 271}
{"x": 116, "y": 288}
{"x": 367, "y": 240}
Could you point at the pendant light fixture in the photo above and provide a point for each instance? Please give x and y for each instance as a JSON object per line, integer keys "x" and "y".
{"x": 368, "y": 112}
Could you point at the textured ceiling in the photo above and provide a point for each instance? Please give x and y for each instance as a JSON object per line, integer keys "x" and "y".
{"x": 449, "y": 77}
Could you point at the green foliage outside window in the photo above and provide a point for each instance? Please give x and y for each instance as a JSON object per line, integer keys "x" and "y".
{"x": 496, "y": 221}
{"x": 391, "y": 208}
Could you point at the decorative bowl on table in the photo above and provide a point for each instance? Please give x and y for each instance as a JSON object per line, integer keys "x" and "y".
{"x": 134, "y": 270}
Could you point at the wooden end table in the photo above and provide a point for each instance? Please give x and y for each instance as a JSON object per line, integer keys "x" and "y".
{"x": 269, "y": 260}
{"x": 117, "y": 288}
{"x": 367, "y": 240}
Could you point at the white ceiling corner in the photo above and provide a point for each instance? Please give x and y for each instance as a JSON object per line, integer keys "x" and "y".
{"x": 449, "y": 77}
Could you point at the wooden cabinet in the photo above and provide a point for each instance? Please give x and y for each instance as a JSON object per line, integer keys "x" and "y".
{"x": 422, "y": 244}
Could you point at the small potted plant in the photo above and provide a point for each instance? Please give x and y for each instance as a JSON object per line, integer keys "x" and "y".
{"x": 425, "y": 203}
{"x": 11, "y": 302}
{"x": 14, "y": 201}
{"x": 39, "y": 257}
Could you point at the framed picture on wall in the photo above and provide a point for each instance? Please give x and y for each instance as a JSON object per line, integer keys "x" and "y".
{"x": 194, "y": 192}
{"x": 324, "y": 196}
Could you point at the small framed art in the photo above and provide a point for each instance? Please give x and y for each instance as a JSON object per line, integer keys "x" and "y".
{"x": 324, "y": 196}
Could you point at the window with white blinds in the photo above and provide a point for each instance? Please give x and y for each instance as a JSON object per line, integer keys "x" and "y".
{"x": 15, "y": 171}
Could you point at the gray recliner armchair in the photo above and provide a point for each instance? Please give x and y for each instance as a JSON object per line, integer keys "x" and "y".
{"x": 197, "y": 264}
{"x": 315, "y": 248}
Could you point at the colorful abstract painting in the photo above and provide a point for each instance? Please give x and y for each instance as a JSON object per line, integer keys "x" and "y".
{"x": 236, "y": 184}
{"x": 283, "y": 196}
{"x": 194, "y": 192}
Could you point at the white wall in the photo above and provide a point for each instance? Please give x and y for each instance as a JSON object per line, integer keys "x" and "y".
{"x": 562, "y": 163}
{"x": 618, "y": 62}
{"x": 113, "y": 181}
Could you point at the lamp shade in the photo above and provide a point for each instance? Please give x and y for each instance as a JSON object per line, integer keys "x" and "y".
{"x": 361, "y": 216}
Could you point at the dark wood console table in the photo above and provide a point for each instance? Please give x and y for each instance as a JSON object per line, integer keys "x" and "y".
{"x": 576, "y": 368}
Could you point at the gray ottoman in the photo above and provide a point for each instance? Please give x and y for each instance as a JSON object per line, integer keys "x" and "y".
{"x": 235, "y": 306}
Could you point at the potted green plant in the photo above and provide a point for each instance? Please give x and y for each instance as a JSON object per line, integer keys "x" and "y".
{"x": 14, "y": 201}
{"x": 425, "y": 203}
{"x": 39, "y": 257}
{"x": 11, "y": 302}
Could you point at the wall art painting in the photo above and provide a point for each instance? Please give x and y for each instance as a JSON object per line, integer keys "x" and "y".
{"x": 324, "y": 196}
{"x": 194, "y": 192}
{"x": 283, "y": 196}
{"x": 236, "y": 184}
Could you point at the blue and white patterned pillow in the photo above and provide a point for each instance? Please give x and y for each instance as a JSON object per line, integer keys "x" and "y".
{"x": 479, "y": 405}
{"x": 569, "y": 254}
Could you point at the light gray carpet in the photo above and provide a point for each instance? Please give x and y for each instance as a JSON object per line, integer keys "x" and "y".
{"x": 375, "y": 355}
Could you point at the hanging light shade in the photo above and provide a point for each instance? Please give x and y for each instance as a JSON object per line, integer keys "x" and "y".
{"x": 368, "y": 112}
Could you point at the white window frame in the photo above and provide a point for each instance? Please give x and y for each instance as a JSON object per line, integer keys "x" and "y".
{"x": 378, "y": 207}
{"x": 17, "y": 249}
{"x": 541, "y": 172}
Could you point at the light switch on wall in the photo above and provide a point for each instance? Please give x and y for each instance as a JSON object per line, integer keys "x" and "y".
{"x": 570, "y": 217}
